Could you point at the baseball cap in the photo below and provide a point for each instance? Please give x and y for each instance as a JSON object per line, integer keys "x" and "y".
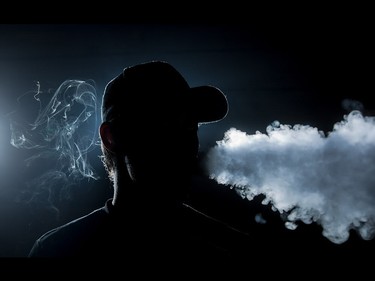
{"x": 155, "y": 89}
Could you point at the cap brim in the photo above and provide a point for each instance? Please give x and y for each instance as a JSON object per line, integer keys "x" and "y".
{"x": 211, "y": 105}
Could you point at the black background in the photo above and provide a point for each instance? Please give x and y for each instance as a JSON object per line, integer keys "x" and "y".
{"x": 295, "y": 67}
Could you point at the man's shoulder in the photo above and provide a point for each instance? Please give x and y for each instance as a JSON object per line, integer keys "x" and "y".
{"x": 202, "y": 218}
{"x": 209, "y": 230}
{"x": 71, "y": 234}
{"x": 85, "y": 222}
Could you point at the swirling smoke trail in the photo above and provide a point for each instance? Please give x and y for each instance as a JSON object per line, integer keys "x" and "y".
{"x": 64, "y": 128}
{"x": 306, "y": 175}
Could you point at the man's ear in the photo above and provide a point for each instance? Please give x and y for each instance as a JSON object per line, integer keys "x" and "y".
{"x": 106, "y": 136}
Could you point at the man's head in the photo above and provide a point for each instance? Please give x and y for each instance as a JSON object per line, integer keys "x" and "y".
{"x": 150, "y": 119}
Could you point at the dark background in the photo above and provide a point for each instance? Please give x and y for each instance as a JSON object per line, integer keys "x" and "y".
{"x": 295, "y": 69}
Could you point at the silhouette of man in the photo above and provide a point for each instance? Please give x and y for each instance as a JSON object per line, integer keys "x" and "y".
{"x": 149, "y": 140}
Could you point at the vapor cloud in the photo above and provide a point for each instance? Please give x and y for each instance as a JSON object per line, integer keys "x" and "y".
{"x": 306, "y": 175}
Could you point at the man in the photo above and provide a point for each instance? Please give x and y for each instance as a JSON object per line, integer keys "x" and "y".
{"x": 149, "y": 140}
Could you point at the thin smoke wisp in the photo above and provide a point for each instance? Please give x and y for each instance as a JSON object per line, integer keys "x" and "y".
{"x": 56, "y": 130}
{"x": 59, "y": 124}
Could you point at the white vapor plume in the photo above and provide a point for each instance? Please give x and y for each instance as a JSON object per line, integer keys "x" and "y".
{"x": 306, "y": 175}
